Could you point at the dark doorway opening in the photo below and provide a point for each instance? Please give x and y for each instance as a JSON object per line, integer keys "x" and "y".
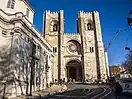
{"x": 72, "y": 73}
{"x": 74, "y": 70}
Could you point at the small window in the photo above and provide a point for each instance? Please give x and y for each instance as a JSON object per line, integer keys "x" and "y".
{"x": 11, "y": 33}
{"x": 38, "y": 46}
{"x": 89, "y": 26}
{"x": 91, "y": 49}
{"x": 11, "y": 4}
{"x": 27, "y": 12}
{"x": 55, "y": 27}
{"x": 54, "y": 49}
{"x": 4, "y": 32}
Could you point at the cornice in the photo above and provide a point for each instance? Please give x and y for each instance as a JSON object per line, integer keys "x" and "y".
{"x": 72, "y": 55}
{"x": 22, "y": 21}
{"x": 28, "y": 4}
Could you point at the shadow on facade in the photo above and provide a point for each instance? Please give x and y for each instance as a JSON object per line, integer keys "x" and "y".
{"x": 15, "y": 70}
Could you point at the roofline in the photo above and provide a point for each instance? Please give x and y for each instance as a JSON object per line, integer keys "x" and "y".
{"x": 48, "y": 46}
{"x": 27, "y": 3}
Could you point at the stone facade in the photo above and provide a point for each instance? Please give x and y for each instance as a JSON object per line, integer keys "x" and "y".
{"x": 29, "y": 60}
{"x": 80, "y": 55}
{"x": 25, "y": 57}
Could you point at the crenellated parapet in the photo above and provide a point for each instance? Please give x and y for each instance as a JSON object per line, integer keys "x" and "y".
{"x": 48, "y": 12}
{"x": 88, "y": 15}
{"x": 53, "y": 13}
{"x": 52, "y": 22}
{"x": 70, "y": 33}
{"x": 82, "y": 13}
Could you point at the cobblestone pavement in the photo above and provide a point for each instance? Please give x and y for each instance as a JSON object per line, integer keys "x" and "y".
{"x": 87, "y": 92}
{"x": 76, "y": 91}
{"x": 96, "y": 93}
{"x": 46, "y": 92}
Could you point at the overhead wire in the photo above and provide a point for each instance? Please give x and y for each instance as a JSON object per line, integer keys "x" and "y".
{"x": 114, "y": 37}
{"x": 122, "y": 41}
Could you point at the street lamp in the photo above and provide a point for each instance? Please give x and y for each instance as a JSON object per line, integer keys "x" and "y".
{"x": 129, "y": 18}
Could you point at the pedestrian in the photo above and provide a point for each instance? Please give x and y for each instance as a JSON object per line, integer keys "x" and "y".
{"x": 55, "y": 80}
{"x": 63, "y": 80}
{"x": 118, "y": 90}
{"x": 70, "y": 80}
{"x": 51, "y": 84}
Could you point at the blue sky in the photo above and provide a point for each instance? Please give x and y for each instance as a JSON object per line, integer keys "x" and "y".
{"x": 113, "y": 16}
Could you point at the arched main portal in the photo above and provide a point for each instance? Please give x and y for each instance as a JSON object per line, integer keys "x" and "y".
{"x": 74, "y": 70}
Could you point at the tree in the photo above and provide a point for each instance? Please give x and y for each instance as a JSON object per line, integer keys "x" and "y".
{"x": 128, "y": 62}
{"x": 115, "y": 70}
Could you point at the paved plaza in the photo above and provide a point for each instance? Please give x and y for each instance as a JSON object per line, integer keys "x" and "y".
{"x": 75, "y": 91}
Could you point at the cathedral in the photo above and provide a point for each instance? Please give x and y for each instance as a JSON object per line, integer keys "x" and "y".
{"x": 30, "y": 61}
{"x": 79, "y": 56}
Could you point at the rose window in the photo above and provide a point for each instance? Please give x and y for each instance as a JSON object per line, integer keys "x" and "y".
{"x": 72, "y": 47}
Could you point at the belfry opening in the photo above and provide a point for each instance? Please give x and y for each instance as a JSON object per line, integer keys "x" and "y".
{"x": 74, "y": 70}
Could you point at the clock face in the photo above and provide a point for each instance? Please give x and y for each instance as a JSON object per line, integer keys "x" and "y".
{"x": 72, "y": 47}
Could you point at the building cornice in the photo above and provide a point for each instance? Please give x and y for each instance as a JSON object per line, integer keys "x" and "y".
{"x": 19, "y": 17}
{"x": 27, "y": 3}
{"x": 73, "y": 56}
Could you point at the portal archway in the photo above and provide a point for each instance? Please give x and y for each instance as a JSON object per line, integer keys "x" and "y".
{"x": 74, "y": 70}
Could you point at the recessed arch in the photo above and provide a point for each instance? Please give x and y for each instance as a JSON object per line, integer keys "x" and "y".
{"x": 89, "y": 25}
{"x": 72, "y": 60}
{"x": 74, "y": 47}
{"x": 74, "y": 70}
{"x": 54, "y": 26}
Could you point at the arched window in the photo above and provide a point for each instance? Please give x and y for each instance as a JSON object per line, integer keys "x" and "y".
{"x": 89, "y": 26}
{"x": 11, "y": 4}
{"x": 55, "y": 27}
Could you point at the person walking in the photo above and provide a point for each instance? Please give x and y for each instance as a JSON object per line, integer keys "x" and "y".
{"x": 118, "y": 90}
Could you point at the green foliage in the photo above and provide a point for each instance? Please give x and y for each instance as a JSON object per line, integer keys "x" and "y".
{"x": 128, "y": 62}
{"x": 115, "y": 69}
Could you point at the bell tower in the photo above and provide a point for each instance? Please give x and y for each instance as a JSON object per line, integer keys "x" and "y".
{"x": 53, "y": 31}
{"x": 93, "y": 56}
